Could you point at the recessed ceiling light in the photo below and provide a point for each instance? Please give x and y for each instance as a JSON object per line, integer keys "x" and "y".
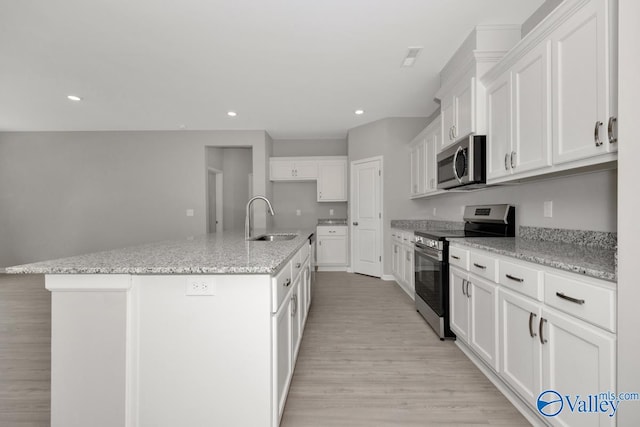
{"x": 359, "y": 112}
{"x": 231, "y": 113}
{"x": 74, "y": 98}
{"x": 412, "y": 54}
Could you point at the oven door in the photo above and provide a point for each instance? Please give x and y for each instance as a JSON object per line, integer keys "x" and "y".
{"x": 430, "y": 277}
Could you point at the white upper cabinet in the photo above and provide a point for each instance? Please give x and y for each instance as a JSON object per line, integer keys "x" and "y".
{"x": 332, "y": 180}
{"x": 462, "y": 96}
{"x": 551, "y": 101}
{"x": 423, "y": 160}
{"x": 518, "y": 116}
{"x": 582, "y": 94}
{"x": 292, "y": 169}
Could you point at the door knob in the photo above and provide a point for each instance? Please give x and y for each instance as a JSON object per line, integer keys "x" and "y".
{"x": 355, "y": 223}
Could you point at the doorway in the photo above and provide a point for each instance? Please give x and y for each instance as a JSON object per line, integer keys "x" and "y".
{"x": 366, "y": 216}
{"x": 215, "y": 210}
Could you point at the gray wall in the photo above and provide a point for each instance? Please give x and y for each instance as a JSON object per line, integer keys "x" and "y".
{"x": 290, "y": 196}
{"x": 585, "y": 201}
{"x": 537, "y": 16}
{"x": 67, "y": 193}
{"x": 236, "y": 167}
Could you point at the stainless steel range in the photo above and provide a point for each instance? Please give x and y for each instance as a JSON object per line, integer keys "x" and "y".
{"x": 432, "y": 255}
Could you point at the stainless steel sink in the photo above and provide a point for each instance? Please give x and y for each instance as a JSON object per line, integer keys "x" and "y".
{"x": 274, "y": 237}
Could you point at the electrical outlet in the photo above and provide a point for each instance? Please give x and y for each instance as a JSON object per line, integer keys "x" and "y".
{"x": 330, "y": 212}
{"x": 200, "y": 286}
{"x": 298, "y": 212}
{"x": 189, "y": 212}
{"x": 434, "y": 211}
{"x": 548, "y": 208}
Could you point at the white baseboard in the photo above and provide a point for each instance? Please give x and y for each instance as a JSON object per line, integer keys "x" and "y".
{"x": 388, "y": 277}
{"x": 343, "y": 268}
{"x": 511, "y": 396}
{"x": 349, "y": 270}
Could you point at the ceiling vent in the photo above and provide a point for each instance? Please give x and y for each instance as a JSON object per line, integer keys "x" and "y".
{"x": 410, "y": 59}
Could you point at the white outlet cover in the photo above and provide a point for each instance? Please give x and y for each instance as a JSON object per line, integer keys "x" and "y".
{"x": 190, "y": 212}
{"x": 434, "y": 211}
{"x": 330, "y": 212}
{"x": 298, "y": 212}
{"x": 200, "y": 286}
{"x": 548, "y": 208}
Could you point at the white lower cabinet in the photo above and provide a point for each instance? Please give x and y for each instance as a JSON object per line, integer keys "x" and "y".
{"x": 282, "y": 359}
{"x": 402, "y": 261}
{"x": 332, "y": 246}
{"x": 474, "y": 313}
{"x": 540, "y": 329}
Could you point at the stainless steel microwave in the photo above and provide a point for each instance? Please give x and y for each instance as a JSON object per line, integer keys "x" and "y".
{"x": 463, "y": 165}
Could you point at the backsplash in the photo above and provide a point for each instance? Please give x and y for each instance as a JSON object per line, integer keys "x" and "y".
{"x": 601, "y": 239}
{"x": 426, "y": 224}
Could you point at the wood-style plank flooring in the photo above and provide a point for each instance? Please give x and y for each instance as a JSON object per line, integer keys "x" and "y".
{"x": 25, "y": 351}
{"x": 367, "y": 358}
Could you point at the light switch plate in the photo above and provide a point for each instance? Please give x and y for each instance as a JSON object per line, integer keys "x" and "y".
{"x": 189, "y": 212}
{"x": 298, "y": 212}
{"x": 548, "y": 208}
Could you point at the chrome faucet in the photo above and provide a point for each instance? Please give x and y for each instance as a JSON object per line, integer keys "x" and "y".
{"x": 247, "y": 220}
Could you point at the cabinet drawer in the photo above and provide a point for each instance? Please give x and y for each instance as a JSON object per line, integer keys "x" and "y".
{"x": 280, "y": 286}
{"x": 332, "y": 231}
{"x": 522, "y": 279}
{"x": 459, "y": 257}
{"x": 583, "y": 300}
{"x": 484, "y": 266}
{"x": 407, "y": 238}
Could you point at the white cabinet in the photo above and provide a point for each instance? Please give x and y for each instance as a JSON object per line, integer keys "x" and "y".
{"x": 518, "y": 111}
{"x": 332, "y": 246}
{"x": 460, "y": 109}
{"x": 583, "y": 75}
{"x": 423, "y": 162}
{"x": 474, "y": 313}
{"x": 282, "y": 356}
{"x": 402, "y": 260}
{"x": 292, "y": 169}
{"x": 332, "y": 180}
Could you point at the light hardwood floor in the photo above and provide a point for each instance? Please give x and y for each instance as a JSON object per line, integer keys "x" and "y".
{"x": 367, "y": 358}
{"x": 25, "y": 351}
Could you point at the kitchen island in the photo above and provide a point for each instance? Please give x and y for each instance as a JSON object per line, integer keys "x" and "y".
{"x": 193, "y": 332}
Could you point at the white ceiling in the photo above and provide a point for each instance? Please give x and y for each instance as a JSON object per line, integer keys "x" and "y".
{"x": 296, "y": 68}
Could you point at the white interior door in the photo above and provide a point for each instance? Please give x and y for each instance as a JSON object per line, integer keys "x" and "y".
{"x": 214, "y": 200}
{"x": 366, "y": 216}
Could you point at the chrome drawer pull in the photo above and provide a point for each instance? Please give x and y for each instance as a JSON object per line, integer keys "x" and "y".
{"x": 568, "y": 298}
{"x": 298, "y": 265}
{"x": 596, "y": 134}
{"x": 463, "y": 292}
{"x": 531, "y": 316}
{"x": 514, "y": 278}
{"x": 612, "y": 139}
{"x": 455, "y": 257}
{"x": 480, "y": 266}
{"x": 543, "y": 340}
{"x": 287, "y": 282}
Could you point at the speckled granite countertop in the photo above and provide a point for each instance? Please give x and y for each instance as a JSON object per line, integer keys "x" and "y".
{"x": 220, "y": 253}
{"x": 332, "y": 221}
{"x": 591, "y": 261}
{"x": 425, "y": 224}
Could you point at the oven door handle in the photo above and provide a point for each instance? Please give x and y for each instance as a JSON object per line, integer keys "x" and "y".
{"x": 434, "y": 254}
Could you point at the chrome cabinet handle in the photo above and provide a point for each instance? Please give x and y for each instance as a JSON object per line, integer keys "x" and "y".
{"x": 513, "y": 157}
{"x": 596, "y": 134}
{"x": 455, "y": 257}
{"x": 484, "y": 267}
{"x": 514, "y": 278}
{"x": 463, "y": 283}
{"x": 298, "y": 265}
{"x": 450, "y": 133}
{"x": 455, "y": 131}
{"x": 568, "y": 298}
{"x": 506, "y": 159}
{"x": 355, "y": 223}
{"x": 287, "y": 282}
{"x": 294, "y": 300}
{"x": 531, "y": 316}
{"x": 468, "y": 293}
{"x": 612, "y": 139}
{"x": 543, "y": 340}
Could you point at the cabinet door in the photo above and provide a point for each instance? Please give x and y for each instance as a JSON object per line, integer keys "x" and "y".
{"x": 483, "y": 324}
{"x": 459, "y": 303}
{"x": 499, "y": 127}
{"x": 281, "y": 170}
{"x": 434, "y": 141}
{"x": 448, "y": 120}
{"x": 578, "y": 359}
{"x": 531, "y": 142}
{"x": 581, "y": 84}
{"x": 414, "y": 164}
{"x": 395, "y": 256}
{"x": 332, "y": 181}
{"x": 296, "y": 329}
{"x": 306, "y": 169}
{"x": 332, "y": 250}
{"x": 408, "y": 267}
{"x": 464, "y": 102}
{"x": 282, "y": 360}
{"x": 520, "y": 350}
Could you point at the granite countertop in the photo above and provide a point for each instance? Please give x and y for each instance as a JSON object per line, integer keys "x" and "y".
{"x": 591, "y": 261}
{"x": 219, "y": 253}
{"x": 332, "y": 221}
{"x": 428, "y": 224}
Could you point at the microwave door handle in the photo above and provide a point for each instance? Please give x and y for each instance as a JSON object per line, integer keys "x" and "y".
{"x": 455, "y": 159}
